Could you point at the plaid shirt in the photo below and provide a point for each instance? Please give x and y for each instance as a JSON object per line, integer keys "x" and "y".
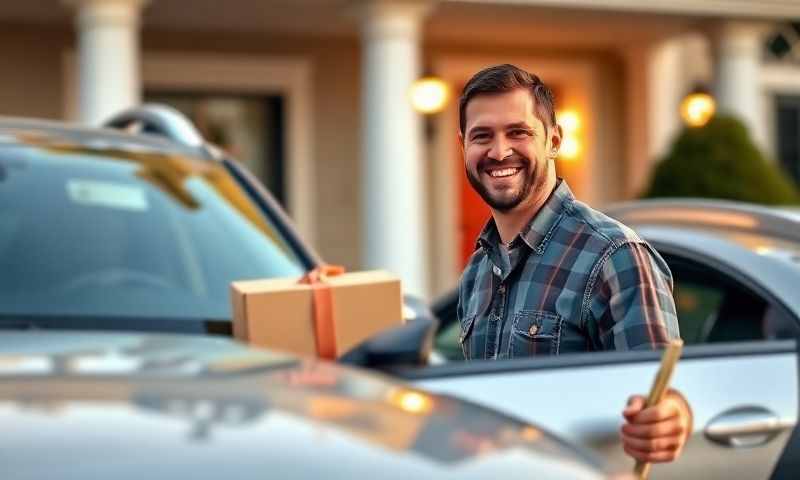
{"x": 572, "y": 280}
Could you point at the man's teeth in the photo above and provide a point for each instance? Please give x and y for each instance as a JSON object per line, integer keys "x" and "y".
{"x": 506, "y": 172}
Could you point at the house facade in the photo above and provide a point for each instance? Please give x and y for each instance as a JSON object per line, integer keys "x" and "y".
{"x": 313, "y": 95}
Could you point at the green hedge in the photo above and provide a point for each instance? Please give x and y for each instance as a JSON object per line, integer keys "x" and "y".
{"x": 719, "y": 160}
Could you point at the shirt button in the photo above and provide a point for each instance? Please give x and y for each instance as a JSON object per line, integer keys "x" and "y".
{"x": 497, "y": 271}
{"x": 501, "y": 289}
{"x": 533, "y": 330}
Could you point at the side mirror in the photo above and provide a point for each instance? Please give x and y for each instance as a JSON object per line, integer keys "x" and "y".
{"x": 408, "y": 345}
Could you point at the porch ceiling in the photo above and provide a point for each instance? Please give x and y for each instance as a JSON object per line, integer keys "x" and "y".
{"x": 764, "y": 9}
{"x": 536, "y": 27}
{"x": 516, "y": 23}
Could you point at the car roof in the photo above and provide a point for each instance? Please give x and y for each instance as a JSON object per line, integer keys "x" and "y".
{"x": 723, "y": 215}
{"x": 762, "y": 244}
{"x": 50, "y": 132}
{"x": 109, "y": 405}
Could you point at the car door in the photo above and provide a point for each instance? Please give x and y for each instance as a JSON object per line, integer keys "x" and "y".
{"x": 717, "y": 306}
{"x": 744, "y": 398}
{"x": 715, "y": 303}
{"x": 719, "y": 302}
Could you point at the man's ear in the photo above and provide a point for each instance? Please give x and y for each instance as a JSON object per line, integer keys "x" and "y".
{"x": 556, "y": 134}
{"x": 461, "y": 143}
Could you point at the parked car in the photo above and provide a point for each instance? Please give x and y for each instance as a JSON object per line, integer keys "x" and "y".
{"x": 736, "y": 271}
{"x": 77, "y": 405}
{"x": 138, "y": 226}
{"x": 141, "y": 227}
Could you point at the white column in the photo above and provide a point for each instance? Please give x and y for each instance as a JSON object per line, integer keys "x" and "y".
{"x": 675, "y": 67}
{"x": 666, "y": 88}
{"x": 637, "y": 108}
{"x": 108, "y": 57}
{"x": 393, "y": 189}
{"x": 739, "y": 47}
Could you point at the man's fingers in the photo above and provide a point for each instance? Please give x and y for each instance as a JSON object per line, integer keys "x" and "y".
{"x": 636, "y": 404}
{"x": 664, "y": 410}
{"x": 668, "y": 443}
{"x": 652, "y": 457}
{"x": 653, "y": 430}
{"x": 655, "y": 434}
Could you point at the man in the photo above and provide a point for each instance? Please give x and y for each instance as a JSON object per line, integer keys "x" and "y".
{"x": 550, "y": 275}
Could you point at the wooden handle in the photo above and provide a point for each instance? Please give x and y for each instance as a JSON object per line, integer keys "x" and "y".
{"x": 660, "y": 385}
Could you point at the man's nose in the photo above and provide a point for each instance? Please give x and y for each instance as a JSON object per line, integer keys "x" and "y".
{"x": 500, "y": 148}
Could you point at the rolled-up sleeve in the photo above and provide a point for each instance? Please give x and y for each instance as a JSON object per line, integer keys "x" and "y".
{"x": 630, "y": 302}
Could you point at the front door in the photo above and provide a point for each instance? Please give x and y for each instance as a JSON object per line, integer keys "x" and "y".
{"x": 248, "y": 127}
{"x": 788, "y": 125}
{"x": 473, "y": 212}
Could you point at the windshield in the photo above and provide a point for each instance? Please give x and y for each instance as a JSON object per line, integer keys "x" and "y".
{"x": 127, "y": 234}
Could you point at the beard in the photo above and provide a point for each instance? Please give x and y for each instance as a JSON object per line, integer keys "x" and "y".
{"x": 508, "y": 199}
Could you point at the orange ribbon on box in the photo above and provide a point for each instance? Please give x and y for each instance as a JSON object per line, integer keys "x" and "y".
{"x": 324, "y": 323}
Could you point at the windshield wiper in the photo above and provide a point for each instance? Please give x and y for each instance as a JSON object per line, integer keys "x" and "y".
{"x": 14, "y": 323}
{"x": 222, "y": 327}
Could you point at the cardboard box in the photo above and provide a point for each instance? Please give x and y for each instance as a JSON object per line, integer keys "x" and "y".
{"x": 279, "y": 313}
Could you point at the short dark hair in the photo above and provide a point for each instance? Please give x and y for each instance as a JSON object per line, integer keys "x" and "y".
{"x": 504, "y": 78}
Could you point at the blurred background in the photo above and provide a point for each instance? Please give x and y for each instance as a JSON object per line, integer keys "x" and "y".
{"x": 347, "y": 109}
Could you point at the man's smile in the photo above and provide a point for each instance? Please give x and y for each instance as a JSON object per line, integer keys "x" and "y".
{"x": 503, "y": 172}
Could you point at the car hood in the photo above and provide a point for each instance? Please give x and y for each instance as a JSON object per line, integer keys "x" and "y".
{"x": 85, "y": 405}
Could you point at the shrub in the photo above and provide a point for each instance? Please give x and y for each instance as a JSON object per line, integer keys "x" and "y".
{"x": 719, "y": 160}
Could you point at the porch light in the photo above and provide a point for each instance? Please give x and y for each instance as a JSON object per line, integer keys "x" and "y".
{"x": 571, "y": 145}
{"x": 570, "y": 148}
{"x": 569, "y": 120}
{"x": 429, "y": 95}
{"x": 697, "y": 108}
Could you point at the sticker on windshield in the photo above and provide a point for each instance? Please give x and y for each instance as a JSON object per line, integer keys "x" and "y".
{"x": 107, "y": 194}
{"x": 25, "y": 365}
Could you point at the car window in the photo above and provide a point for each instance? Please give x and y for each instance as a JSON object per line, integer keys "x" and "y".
{"x": 712, "y": 307}
{"x": 128, "y": 234}
{"x": 715, "y": 307}
{"x": 447, "y": 341}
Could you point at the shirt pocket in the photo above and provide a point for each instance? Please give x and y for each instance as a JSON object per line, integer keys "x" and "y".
{"x": 535, "y": 332}
{"x": 465, "y": 339}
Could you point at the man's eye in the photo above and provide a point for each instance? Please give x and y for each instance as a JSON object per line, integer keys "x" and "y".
{"x": 479, "y": 137}
{"x": 518, "y": 132}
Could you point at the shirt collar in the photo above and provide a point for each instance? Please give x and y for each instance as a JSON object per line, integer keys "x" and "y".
{"x": 537, "y": 232}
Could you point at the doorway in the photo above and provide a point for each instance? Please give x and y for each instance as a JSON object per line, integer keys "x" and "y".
{"x": 248, "y": 127}
{"x": 788, "y": 123}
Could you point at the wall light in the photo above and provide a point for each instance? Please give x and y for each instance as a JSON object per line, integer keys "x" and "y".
{"x": 429, "y": 95}
{"x": 697, "y": 108}
{"x": 569, "y": 120}
{"x": 570, "y": 148}
{"x": 571, "y": 145}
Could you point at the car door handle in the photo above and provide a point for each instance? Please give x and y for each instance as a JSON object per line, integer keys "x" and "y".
{"x": 744, "y": 427}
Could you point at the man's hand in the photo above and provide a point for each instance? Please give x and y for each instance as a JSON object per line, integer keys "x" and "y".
{"x": 658, "y": 433}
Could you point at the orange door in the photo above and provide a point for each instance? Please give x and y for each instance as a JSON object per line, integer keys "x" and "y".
{"x": 473, "y": 212}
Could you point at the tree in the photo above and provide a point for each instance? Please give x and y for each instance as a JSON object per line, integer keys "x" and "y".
{"x": 719, "y": 160}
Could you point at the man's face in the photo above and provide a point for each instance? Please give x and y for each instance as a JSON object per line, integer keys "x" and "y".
{"x": 505, "y": 149}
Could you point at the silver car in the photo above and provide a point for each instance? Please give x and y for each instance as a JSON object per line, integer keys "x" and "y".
{"x": 736, "y": 269}
{"x": 111, "y": 230}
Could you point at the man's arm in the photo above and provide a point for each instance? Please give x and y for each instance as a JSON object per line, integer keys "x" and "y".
{"x": 630, "y": 303}
{"x": 632, "y": 307}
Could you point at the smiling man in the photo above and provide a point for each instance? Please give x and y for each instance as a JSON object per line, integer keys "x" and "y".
{"x": 549, "y": 274}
